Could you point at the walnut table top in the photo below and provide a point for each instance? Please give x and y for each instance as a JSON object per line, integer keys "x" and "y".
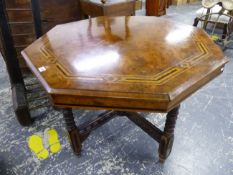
{"x": 124, "y": 63}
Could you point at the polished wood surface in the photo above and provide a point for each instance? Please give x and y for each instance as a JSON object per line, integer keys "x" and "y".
{"x": 124, "y": 63}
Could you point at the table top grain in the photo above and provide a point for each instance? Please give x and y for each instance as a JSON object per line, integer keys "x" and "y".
{"x": 124, "y": 63}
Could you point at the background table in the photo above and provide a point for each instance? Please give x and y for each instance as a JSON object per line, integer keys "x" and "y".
{"x": 96, "y": 8}
{"x": 124, "y": 64}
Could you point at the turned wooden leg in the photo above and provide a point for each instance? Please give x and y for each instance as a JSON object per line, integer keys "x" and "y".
{"x": 167, "y": 137}
{"x": 224, "y": 34}
{"x": 74, "y": 135}
{"x": 20, "y": 105}
{"x": 196, "y": 20}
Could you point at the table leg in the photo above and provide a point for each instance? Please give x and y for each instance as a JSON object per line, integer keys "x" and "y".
{"x": 79, "y": 134}
{"x": 167, "y": 137}
{"x": 74, "y": 135}
{"x": 20, "y": 104}
{"x": 196, "y": 20}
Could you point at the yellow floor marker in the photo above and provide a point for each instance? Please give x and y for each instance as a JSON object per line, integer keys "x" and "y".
{"x": 53, "y": 141}
{"x": 35, "y": 143}
{"x": 215, "y": 37}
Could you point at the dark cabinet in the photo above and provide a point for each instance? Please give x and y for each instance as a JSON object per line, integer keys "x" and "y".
{"x": 156, "y": 7}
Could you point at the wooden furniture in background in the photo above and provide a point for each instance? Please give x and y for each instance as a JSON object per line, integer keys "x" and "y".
{"x": 95, "y": 8}
{"x": 138, "y": 5}
{"x": 216, "y": 16}
{"x": 156, "y": 7}
{"x": 182, "y": 2}
{"x": 28, "y": 19}
{"x": 169, "y": 2}
{"x": 120, "y": 68}
{"x": 21, "y": 22}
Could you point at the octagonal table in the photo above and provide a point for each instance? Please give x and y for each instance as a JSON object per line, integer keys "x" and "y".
{"x": 124, "y": 65}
